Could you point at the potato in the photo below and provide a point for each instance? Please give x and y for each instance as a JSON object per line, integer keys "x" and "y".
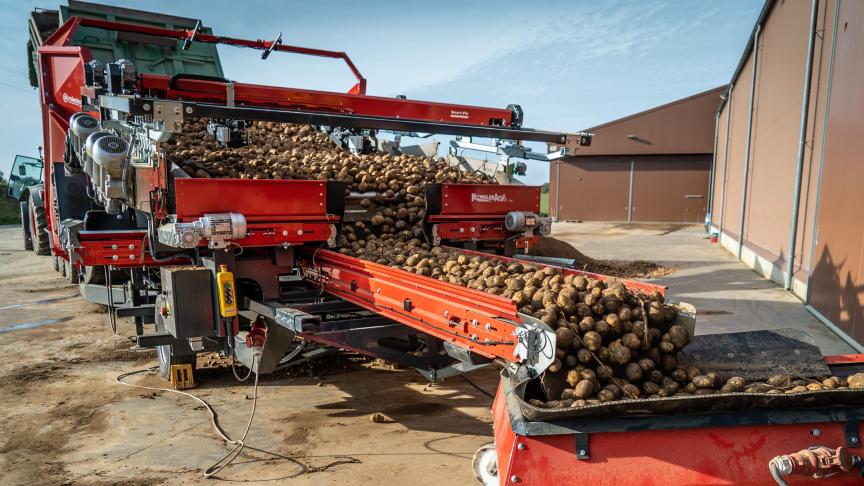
{"x": 592, "y": 340}
{"x": 758, "y": 388}
{"x": 631, "y": 391}
{"x": 669, "y": 386}
{"x": 586, "y": 324}
{"x": 733, "y": 385}
{"x": 650, "y": 388}
{"x": 568, "y": 394}
{"x": 583, "y": 356}
{"x": 573, "y": 377}
{"x": 604, "y": 372}
{"x": 601, "y": 328}
{"x": 707, "y": 381}
{"x": 779, "y": 380}
{"x": 619, "y": 353}
{"x": 856, "y": 381}
{"x": 555, "y": 366}
{"x": 831, "y": 383}
{"x": 668, "y": 362}
{"x": 614, "y": 389}
{"x": 646, "y": 364}
{"x": 679, "y": 375}
{"x": 584, "y": 389}
{"x": 692, "y": 372}
{"x": 655, "y": 375}
{"x": 624, "y": 314}
{"x": 679, "y": 336}
{"x": 815, "y": 387}
{"x": 631, "y": 341}
{"x": 566, "y": 304}
{"x": 633, "y": 372}
{"x": 564, "y": 337}
{"x": 797, "y": 389}
{"x": 606, "y": 396}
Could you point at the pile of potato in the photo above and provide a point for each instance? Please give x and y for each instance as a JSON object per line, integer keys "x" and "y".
{"x": 301, "y": 152}
{"x": 612, "y": 342}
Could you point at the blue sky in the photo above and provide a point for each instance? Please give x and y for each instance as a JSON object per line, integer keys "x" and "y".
{"x": 570, "y": 64}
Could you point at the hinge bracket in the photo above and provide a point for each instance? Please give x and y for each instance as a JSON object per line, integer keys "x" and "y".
{"x": 853, "y": 437}
{"x": 582, "y": 451}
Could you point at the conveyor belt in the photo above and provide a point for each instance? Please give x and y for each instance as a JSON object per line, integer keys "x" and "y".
{"x": 482, "y": 323}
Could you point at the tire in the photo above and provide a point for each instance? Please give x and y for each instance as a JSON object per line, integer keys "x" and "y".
{"x": 485, "y": 465}
{"x": 25, "y": 225}
{"x": 94, "y": 275}
{"x": 172, "y": 354}
{"x": 62, "y": 264}
{"x": 70, "y": 272}
{"x": 56, "y": 261}
{"x": 38, "y": 226}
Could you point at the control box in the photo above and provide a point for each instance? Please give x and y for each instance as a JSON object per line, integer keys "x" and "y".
{"x": 186, "y": 302}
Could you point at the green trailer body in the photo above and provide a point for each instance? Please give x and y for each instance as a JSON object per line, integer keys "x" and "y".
{"x": 151, "y": 55}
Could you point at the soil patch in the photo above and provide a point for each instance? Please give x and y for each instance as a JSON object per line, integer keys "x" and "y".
{"x": 553, "y": 247}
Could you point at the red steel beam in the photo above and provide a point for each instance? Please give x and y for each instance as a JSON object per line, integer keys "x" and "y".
{"x": 65, "y": 34}
{"x": 477, "y": 321}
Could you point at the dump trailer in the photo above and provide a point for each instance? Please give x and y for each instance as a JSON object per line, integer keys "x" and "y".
{"x": 251, "y": 268}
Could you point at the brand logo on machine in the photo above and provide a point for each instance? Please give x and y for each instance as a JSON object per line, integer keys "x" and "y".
{"x": 459, "y": 114}
{"x": 71, "y": 99}
{"x": 488, "y": 198}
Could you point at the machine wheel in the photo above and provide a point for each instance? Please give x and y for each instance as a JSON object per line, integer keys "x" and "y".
{"x": 172, "y": 354}
{"x": 70, "y": 272}
{"x": 485, "y": 463}
{"x": 25, "y": 225}
{"x": 56, "y": 261}
{"x": 38, "y": 226}
{"x": 94, "y": 275}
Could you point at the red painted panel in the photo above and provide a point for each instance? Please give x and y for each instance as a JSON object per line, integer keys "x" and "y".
{"x": 736, "y": 455}
{"x": 312, "y": 100}
{"x": 447, "y": 311}
{"x": 256, "y": 199}
{"x": 485, "y": 199}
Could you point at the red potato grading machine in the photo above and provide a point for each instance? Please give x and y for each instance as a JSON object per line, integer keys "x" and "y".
{"x": 247, "y": 268}
{"x": 153, "y": 244}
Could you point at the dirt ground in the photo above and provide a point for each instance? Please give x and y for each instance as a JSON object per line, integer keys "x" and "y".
{"x": 64, "y": 419}
{"x": 550, "y": 246}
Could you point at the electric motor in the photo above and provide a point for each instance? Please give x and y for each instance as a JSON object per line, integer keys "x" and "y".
{"x": 81, "y": 125}
{"x": 520, "y": 222}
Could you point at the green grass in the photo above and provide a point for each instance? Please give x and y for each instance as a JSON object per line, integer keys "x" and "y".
{"x": 9, "y": 208}
{"x": 544, "y": 204}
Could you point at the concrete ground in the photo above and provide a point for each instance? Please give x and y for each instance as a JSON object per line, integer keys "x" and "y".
{"x": 65, "y": 420}
{"x": 728, "y": 296}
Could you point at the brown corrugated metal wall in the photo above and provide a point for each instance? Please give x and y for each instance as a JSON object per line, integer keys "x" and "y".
{"x": 592, "y": 191}
{"x": 833, "y": 283}
{"x": 776, "y": 122}
{"x": 730, "y": 212}
{"x": 666, "y": 188}
{"x": 671, "y": 188}
{"x": 837, "y": 286}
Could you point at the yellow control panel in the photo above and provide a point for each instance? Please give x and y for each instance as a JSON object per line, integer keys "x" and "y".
{"x": 227, "y": 293}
